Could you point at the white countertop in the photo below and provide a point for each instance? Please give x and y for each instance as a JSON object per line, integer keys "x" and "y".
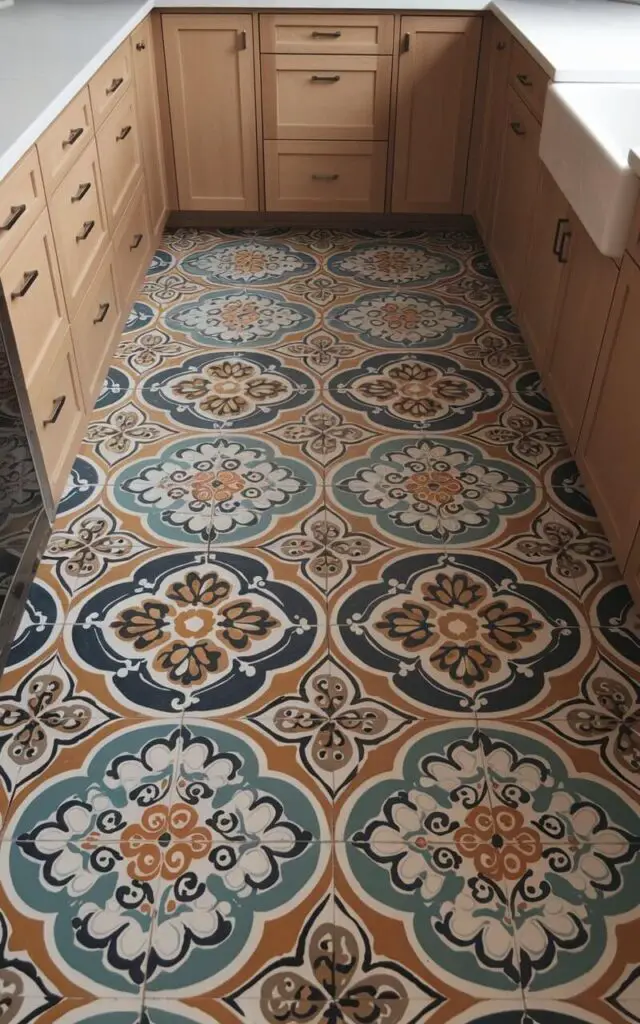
{"x": 49, "y": 49}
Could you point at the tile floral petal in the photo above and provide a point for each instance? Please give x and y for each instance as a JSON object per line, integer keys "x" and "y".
{"x": 323, "y": 433}
{"x": 148, "y": 350}
{"x": 123, "y": 433}
{"x": 526, "y": 437}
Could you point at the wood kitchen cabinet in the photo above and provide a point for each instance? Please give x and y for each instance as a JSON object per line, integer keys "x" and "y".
{"x": 496, "y": 47}
{"x": 146, "y": 84}
{"x": 515, "y": 196}
{"x": 610, "y": 439}
{"x": 212, "y": 98}
{"x": 436, "y": 86}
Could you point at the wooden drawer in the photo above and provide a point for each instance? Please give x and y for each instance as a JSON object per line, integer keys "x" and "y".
{"x": 528, "y": 79}
{"x": 58, "y": 412}
{"x": 325, "y": 97}
{"x": 79, "y": 227}
{"x": 326, "y": 33}
{"x": 93, "y": 330}
{"x": 120, "y": 157}
{"x": 21, "y": 202}
{"x": 325, "y": 176}
{"x": 64, "y": 140}
{"x": 33, "y": 290}
{"x": 131, "y": 247}
{"x": 110, "y": 82}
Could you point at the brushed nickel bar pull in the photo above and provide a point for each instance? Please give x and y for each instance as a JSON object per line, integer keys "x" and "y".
{"x": 136, "y": 241}
{"x": 81, "y": 193}
{"x": 406, "y": 42}
{"x": 325, "y": 177}
{"x": 29, "y": 279}
{"x": 115, "y": 85}
{"x": 325, "y": 78}
{"x": 242, "y": 40}
{"x": 58, "y": 406}
{"x": 501, "y": 45}
{"x": 14, "y": 217}
{"x": 316, "y": 34}
{"x": 123, "y": 134}
{"x": 87, "y": 228}
{"x": 562, "y": 257}
{"x": 524, "y": 80}
{"x": 556, "y": 239}
{"x": 103, "y": 308}
{"x": 72, "y": 137}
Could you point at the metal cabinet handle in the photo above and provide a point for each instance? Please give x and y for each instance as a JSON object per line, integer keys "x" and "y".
{"x": 524, "y": 80}
{"x": 406, "y": 42}
{"x": 556, "y": 238}
{"x": 317, "y": 34}
{"x": 87, "y": 228}
{"x": 517, "y": 128}
{"x": 501, "y": 45}
{"x": 58, "y": 406}
{"x": 123, "y": 134}
{"x": 141, "y": 46}
{"x": 14, "y": 217}
{"x": 103, "y": 310}
{"x": 136, "y": 241}
{"x": 81, "y": 193}
{"x": 115, "y": 85}
{"x": 325, "y": 78}
{"x": 242, "y": 40}
{"x": 72, "y": 137}
{"x": 325, "y": 177}
{"x": 562, "y": 256}
{"x": 29, "y": 279}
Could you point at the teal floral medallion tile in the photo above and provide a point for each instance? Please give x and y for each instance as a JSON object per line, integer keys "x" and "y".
{"x": 251, "y": 319}
{"x": 402, "y": 320}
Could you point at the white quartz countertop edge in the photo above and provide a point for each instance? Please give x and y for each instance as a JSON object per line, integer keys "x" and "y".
{"x": 568, "y": 50}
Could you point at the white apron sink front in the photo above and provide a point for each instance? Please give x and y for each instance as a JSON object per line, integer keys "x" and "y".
{"x": 587, "y": 132}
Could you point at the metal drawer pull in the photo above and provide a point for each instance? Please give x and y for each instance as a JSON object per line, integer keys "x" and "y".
{"x": 242, "y": 40}
{"x": 325, "y": 78}
{"x": 104, "y": 309}
{"x": 81, "y": 193}
{"x": 501, "y": 45}
{"x": 87, "y": 228}
{"x": 325, "y": 177}
{"x": 406, "y": 42}
{"x": 556, "y": 239}
{"x": 141, "y": 46}
{"x": 524, "y": 80}
{"x": 123, "y": 134}
{"x": 29, "y": 279}
{"x": 115, "y": 85}
{"x": 316, "y": 34}
{"x": 72, "y": 137}
{"x": 14, "y": 217}
{"x": 561, "y": 254}
{"x": 136, "y": 241}
{"x": 517, "y": 128}
{"x": 58, "y": 406}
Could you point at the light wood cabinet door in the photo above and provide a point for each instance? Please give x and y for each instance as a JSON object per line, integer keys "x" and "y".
{"x": 210, "y": 77}
{"x": 120, "y": 157}
{"x": 93, "y": 330}
{"x": 149, "y": 123}
{"x": 132, "y": 247}
{"x": 515, "y": 196}
{"x": 545, "y": 269}
{"x": 58, "y": 413}
{"x": 496, "y": 47}
{"x": 21, "y": 202}
{"x": 63, "y": 141}
{"x": 584, "y": 309}
{"x": 436, "y": 86}
{"x": 610, "y": 439}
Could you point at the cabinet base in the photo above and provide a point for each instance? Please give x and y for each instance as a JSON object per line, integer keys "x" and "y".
{"x": 372, "y": 221}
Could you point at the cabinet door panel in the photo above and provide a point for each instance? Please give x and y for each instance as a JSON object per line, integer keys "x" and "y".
{"x": 436, "y": 85}
{"x": 144, "y": 71}
{"x": 212, "y": 99}
{"x": 610, "y": 440}
{"x": 495, "y": 55}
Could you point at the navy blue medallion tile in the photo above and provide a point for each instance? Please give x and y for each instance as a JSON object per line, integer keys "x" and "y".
{"x": 257, "y": 261}
{"x": 502, "y": 319}
{"x": 243, "y": 391}
{"x": 402, "y": 320}
{"x": 383, "y": 265}
{"x": 618, "y": 621}
{"x": 416, "y": 391}
{"x": 140, "y": 316}
{"x": 116, "y": 384}
{"x": 85, "y": 480}
{"x": 185, "y": 631}
{"x": 230, "y": 319}
{"x": 40, "y": 624}
{"x": 161, "y": 261}
{"x": 461, "y": 633}
{"x": 530, "y": 391}
{"x": 565, "y": 483}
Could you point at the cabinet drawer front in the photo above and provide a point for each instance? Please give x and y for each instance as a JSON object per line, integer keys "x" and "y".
{"x": 325, "y": 176}
{"x": 61, "y": 144}
{"x": 120, "y": 157}
{"x": 324, "y": 97}
{"x": 110, "y": 82}
{"x": 33, "y": 290}
{"x": 58, "y": 413}
{"x": 131, "y": 247}
{"x": 93, "y": 329}
{"x": 528, "y": 79}
{"x": 326, "y": 33}
{"x": 21, "y": 202}
{"x": 79, "y": 226}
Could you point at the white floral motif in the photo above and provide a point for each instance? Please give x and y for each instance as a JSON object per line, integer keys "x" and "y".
{"x": 247, "y": 261}
{"x": 394, "y": 264}
{"x": 400, "y": 319}
{"x": 238, "y": 318}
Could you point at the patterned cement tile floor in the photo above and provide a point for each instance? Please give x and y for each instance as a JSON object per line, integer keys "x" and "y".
{"x": 326, "y": 704}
